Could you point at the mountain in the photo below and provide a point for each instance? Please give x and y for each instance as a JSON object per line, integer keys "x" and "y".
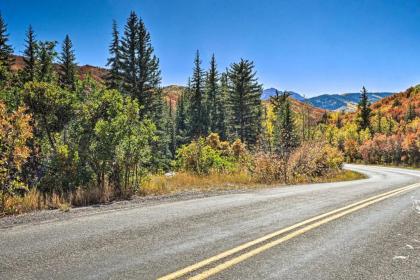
{"x": 267, "y": 93}
{"x": 333, "y": 102}
{"x": 346, "y": 101}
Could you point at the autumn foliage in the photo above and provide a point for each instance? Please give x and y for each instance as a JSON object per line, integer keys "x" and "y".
{"x": 15, "y": 131}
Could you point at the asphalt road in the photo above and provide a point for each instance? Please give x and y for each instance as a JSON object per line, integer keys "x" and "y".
{"x": 377, "y": 239}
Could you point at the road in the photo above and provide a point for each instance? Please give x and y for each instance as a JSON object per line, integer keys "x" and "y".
{"x": 379, "y": 238}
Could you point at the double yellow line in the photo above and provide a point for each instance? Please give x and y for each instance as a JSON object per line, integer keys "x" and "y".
{"x": 298, "y": 228}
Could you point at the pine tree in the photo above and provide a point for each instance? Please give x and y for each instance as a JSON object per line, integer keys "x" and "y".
{"x": 67, "y": 65}
{"x": 244, "y": 102}
{"x": 6, "y": 50}
{"x": 411, "y": 113}
{"x": 47, "y": 56}
{"x": 199, "y": 118}
{"x": 170, "y": 130}
{"x": 148, "y": 79}
{"x": 114, "y": 78}
{"x": 182, "y": 118}
{"x": 161, "y": 146}
{"x": 339, "y": 122}
{"x": 364, "y": 110}
{"x": 379, "y": 122}
{"x": 30, "y": 56}
{"x": 212, "y": 95}
{"x": 324, "y": 118}
{"x": 129, "y": 55}
{"x": 222, "y": 110}
{"x": 285, "y": 139}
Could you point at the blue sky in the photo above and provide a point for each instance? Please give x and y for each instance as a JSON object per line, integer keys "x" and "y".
{"x": 311, "y": 46}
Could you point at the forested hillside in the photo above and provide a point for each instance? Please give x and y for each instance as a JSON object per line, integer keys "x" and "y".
{"x": 72, "y": 136}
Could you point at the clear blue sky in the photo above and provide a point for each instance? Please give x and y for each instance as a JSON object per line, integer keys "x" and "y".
{"x": 311, "y": 46}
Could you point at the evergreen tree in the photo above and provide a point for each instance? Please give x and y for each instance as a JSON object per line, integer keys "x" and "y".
{"x": 30, "y": 56}
{"x": 212, "y": 95}
{"x": 339, "y": 122}
{"x": 170, "y": 130}
{"x": 129, "y": 55}
{"x": 244, "y": 102}
{"x": 161, "y": 146}
{"x": 411, "y": 113}
{"x": 6, "y": 50}
{"x": 324, "y": 118}
{"x": 222, "y": 110}
{"x": 379, "y": 122}
{"x": 285, "y": 139}
{"x": 114, "y": 62}
{"x": 199, "y": 118}
{"x": 148, "y": 79}
{"x": 182, "y": 118}
{"x": 68, "y": 65}
{"x": 364, "y": 110}
{"x": 47, "y": 56}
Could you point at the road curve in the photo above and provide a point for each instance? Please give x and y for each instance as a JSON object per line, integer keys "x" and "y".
{"x": 378, "y": 241}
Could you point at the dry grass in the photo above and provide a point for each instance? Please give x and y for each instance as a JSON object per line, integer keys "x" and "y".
{"x": 35, "y": 200}
{"x": 158, "y": 185}
{"x": 184, "y": 181}
{"x": 336, "y": 176}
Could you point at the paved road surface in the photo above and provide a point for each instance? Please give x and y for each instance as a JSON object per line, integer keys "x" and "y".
{"x": 377, "y": 239}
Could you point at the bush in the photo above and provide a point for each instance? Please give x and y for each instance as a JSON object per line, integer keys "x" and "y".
{"x": 269, "y": 168}
{"x": 204, "y": 156}
{"x": 15, "y": 132}
{"x": 200, "y": 158}
{"x": 314, "y": 160}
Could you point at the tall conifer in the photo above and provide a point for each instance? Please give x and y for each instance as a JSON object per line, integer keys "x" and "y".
{"x": 30, "y": 55}
{"x": 148, "y": 74}
{"x": 285, "y": 138}
{"x": 199, "y": 118}
{"x": 6, "y": 50}
{"x": 68, "y": 67}
{"x": 212, "y": 94}
{"x": 182, "y": 117}
{"x": 129, "y": 55}
{"x": 364, "y": 110}
{"x": 244, "y": 102}
{"x": 47, "y": 56}
{"x": 114, "y": 79}
{"x": 222, "y": 109}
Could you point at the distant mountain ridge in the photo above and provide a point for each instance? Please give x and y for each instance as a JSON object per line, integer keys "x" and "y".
{"x": 332, "y": 102}
{"x": 267, "y": 93}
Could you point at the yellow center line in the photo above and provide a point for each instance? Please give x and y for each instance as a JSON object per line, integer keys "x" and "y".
{"x": 239, "y": 248}
{"x": 269, "y": 245}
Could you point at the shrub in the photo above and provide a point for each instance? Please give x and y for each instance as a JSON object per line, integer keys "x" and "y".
{"x": 314, "y": 160}
{"x": 269, "y": 168}
{"x": 200, "y": 158}
{"x": 204, "y": 156}
{"x": 15, "y": 132}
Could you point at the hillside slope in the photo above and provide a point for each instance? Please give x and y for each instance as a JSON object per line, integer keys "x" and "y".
{"x": 397, "y": 105}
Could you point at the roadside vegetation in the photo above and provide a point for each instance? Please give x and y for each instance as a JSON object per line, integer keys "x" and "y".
{"x": 68, "y": 139}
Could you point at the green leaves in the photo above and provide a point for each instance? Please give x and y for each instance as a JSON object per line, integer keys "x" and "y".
{"x": 244, "y": 102}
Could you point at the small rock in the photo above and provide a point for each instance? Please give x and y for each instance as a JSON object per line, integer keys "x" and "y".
{"x": 170, "y": 174}
{"x": 400, "y": 257}
{"x": 409, "y": 246}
